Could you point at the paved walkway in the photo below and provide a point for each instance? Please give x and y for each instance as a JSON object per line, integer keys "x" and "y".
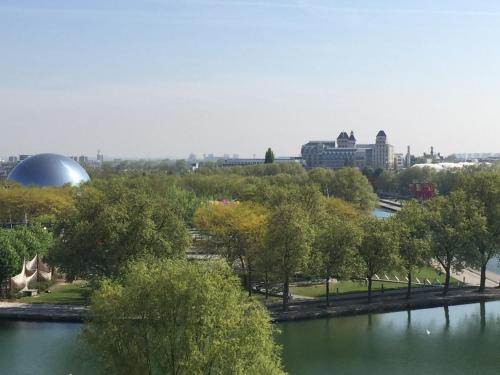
{"x": 473, "y": 277}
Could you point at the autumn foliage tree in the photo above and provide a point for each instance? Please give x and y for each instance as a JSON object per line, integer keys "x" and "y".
{"x": 235, "y": 231}
{"x": 20, "y": 204}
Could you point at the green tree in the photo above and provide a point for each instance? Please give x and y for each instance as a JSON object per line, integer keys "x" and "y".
{"x": 350, "y": 185}
{"x": 484, "y": 188}
{"x": 10, "y": 261}
{"x": 379, "y": 249}
{"x": 289, "y": 241}
{"x": 386, "y": 182}
{"x": 114, "y": 224}
{"x": 414, "y": 240}
{"x": 411, "y": 175}
{"x": 266, "y": 264}
{"x": 32, "y": 240}
{"x": 324, "y": 178}
{"x": 179, "y": 317}
{"x": 447, "y": 181}
{"x": 335, "y": 249}
{"x": 342, "y": 209}
{"x": 269, "y": 158}
{"x": 453, "y": 227}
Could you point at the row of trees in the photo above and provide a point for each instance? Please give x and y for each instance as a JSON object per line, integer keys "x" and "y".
{"x": 20, "y": 205}
{"x": 314, "y": 235}
{"x": 108, "y": 222}
{"x": 445, "y": 181}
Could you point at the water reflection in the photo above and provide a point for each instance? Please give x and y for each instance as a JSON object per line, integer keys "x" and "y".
{"x": 482, "y": 313}
{"x": 42, "y": 349}
{"x": 445, "y": 340}
{"x": 447, "y": 318}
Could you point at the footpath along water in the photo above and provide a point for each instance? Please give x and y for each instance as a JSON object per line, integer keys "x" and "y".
{"x": 460, "y": 340}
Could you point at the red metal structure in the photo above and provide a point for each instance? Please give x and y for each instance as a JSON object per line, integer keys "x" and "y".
{"x": 422, "y": 190}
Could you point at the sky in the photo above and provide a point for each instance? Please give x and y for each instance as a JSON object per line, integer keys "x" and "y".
{"x": 166, "y": 78}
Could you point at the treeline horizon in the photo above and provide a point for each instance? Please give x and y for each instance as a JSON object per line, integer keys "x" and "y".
{"x": 130, "y": 203}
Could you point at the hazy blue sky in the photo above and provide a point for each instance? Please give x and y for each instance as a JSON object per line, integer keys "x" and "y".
{"x": 163, "y": 78}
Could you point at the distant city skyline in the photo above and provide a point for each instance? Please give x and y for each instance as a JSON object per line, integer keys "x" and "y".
{"x": 163, "y": 79}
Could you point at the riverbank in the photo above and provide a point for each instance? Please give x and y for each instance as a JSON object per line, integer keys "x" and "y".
{"x": 381, "y": 303}
{"x": 345, "y": 305}
{"x": 42, "y": 312}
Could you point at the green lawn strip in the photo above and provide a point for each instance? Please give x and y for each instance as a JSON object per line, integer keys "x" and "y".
{"x": 348, "y": 286}
{"x": 67, "y": 294}
{"x": 262, "y": 298}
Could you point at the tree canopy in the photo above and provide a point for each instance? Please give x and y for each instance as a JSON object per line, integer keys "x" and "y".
{"x": 414, "y": 238}
{"x": 336, "y": 249}
{"x": 177, "y": 317}
{"x": 39, "y": 204}
{"x": 112, "y": 224}
{"x": 289, "y": 239}
{"x": 378, "y": 250}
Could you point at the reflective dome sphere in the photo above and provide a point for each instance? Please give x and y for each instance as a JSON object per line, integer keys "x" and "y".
{"x": 48, "y": 170}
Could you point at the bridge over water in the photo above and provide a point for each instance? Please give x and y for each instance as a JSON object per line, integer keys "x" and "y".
{"x": 390, "y": 205}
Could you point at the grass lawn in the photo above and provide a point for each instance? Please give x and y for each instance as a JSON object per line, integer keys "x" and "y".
{"x": 76, "y": 293}
{"x": 262, "y": 298}
{"x": 348, "y": 286}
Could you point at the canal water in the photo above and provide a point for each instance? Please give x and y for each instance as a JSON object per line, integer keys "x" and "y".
{"x": 460, "y": 340}
{"x": 42, "y": 349}
{"x": 381, "y": 214}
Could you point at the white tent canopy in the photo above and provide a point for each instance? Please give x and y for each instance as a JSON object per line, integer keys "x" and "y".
{"x": 33, "y": 270}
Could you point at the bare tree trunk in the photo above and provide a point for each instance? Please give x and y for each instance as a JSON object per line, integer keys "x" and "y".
{"x": 370, "y": 289}
{"x": 482, "y": 284}
{"x": 286, "y": 288}
{"x": 327, "y": 284}
{"x": 408, "y": 292}
{"x": 447, "y": 280}
{"x": 249, "y": 281}
{"x": 267, "y": 284}
{"x": 482, "y": 313}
